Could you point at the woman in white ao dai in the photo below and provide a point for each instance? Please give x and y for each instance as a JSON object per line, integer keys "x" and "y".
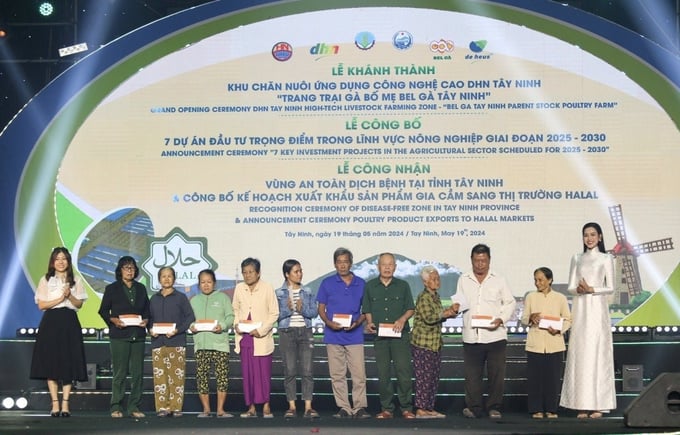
{"x": 588, "y": 384}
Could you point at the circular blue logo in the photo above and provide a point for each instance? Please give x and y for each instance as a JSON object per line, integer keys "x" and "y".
{"x": 282, "y": 51}
{"x": 477, "y": 46}
{"x": 402, "y": 40}
{"x": 364, "y": 40}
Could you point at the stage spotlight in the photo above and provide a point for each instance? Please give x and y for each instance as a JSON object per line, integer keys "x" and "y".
{"x": 45, "y": 9}
{"x": 3, "y": 33}
{"x": 631, "y": 333}
{"x": 21, "y": 402}
{"x": 89, "y": 332}
{"x": 73, "y": 49}
{"x": 27, "y": 332}
{"x": 8, "y": 403}
{"x": 666, "y": 331}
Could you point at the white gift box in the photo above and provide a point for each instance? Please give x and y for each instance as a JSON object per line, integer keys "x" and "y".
{"x": 481, "y": 321}
{"x": 551, "y": 321}
{"x": 247, "y": 326}
{"x": 387, "y": 330}
{"x": 130, "y": 319}
{"x": 345, "y": 320}
{"x": 205, "y": 325}
{"x": 163, "y": 328}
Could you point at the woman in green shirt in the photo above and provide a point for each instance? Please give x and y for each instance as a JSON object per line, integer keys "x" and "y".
{"x": 214, "y": 314}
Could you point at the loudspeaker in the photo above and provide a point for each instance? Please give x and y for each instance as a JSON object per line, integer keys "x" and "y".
{"x": 658, "y": 405}
{"x": 91, "y": 383}
{"x": 632, "y": 377}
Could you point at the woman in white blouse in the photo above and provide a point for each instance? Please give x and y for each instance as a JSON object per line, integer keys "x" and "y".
{"x": 546, "y": 313}
{"x": 59, "y": 353}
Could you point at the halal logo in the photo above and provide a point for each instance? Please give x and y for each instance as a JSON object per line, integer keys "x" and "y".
{"x": 187, "y": 255}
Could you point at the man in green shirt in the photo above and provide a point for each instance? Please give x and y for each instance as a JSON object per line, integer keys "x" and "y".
{"x": 388, "y": 302}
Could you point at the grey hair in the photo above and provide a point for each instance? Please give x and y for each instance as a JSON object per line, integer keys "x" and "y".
{"x": 343, "y": 251}
{"x": 426, "y": 271}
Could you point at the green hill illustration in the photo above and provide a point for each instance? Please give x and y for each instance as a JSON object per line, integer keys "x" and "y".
{"x": 661, "y": 309}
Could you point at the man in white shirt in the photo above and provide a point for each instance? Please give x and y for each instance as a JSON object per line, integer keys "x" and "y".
{"x": 488, "y": 295}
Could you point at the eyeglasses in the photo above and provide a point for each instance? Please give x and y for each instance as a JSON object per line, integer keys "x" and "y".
{"x": 129, "y": 268}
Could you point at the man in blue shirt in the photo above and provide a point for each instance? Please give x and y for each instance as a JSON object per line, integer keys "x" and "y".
{"x": 339, "y": 299}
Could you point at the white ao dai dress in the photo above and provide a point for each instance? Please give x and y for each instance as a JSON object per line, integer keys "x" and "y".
{"x": 589, "y": 374}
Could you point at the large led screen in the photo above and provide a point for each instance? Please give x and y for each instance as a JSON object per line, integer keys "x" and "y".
{"x": 289, "y": 130}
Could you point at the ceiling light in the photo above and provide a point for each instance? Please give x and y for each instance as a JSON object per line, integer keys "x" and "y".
{"x": 46, "y": 9}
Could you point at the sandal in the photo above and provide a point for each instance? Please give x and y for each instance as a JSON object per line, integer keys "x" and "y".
{"x": 384, "y": 415}
{"x": 249, "y": 414}
{"x": 582, "y": 415}
{"x": 537, "y": 415}
{"x": 68, "y": 414}
{"x": 310, "y": 413}
{"x": 435, "y": 414}
{"x": 290, "y": 414}
{"x": 136, "y": 414}
{"x": 55, "y": 413}
{"x": 116, "y": 414}
{"x": 596, "y": 414}
{"x": 203, "y": 415}
{"x": 408, "y": 415}
{"x": 422, "y": 413}
{"x": 551, "y": 415}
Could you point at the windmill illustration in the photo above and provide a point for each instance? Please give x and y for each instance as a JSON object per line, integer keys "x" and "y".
{"x": 627, "y": 269}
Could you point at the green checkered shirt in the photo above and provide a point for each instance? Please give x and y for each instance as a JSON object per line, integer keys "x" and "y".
{"x": 427, "y": 322}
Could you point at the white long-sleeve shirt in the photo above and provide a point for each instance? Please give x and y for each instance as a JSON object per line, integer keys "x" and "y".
{"x": 490, "y": 297}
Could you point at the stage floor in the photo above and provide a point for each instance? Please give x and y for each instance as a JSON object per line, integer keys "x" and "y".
{"x": 13, "y": 422}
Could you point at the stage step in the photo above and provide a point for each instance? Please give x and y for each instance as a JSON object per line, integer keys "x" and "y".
{"x": 96, "y": 395}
